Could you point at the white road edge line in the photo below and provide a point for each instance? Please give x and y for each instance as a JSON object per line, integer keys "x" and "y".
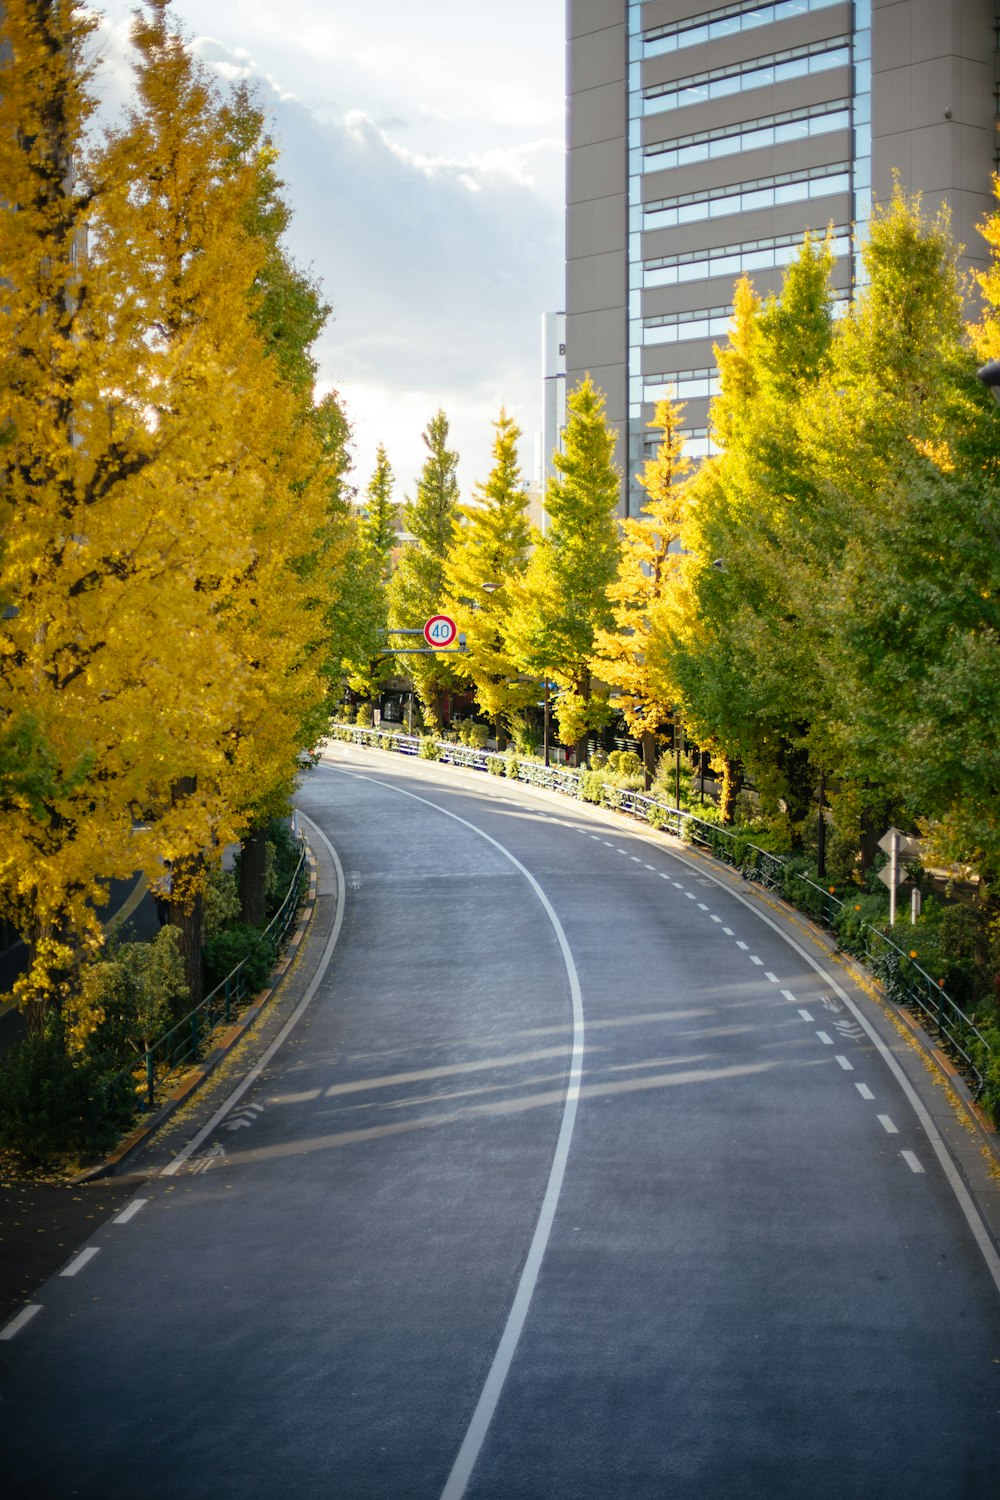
{"x": 937, "y": 1145}
{"x": 293, "y": 1020}
{"x": 479, "y": 1424}
{"x": 131, "y": 1211}
{"x": 80, "y": 1261}
{"x": 19, "y": 1320}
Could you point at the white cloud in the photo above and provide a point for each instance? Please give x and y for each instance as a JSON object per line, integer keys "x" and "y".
{"x": 423, "y": 158}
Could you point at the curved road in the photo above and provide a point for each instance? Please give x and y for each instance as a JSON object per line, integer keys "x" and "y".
{"x": 575, "y": 1180}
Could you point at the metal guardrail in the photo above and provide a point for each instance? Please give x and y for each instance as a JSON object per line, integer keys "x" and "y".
{"x": 902, "y": 976}
{"x": 184, "y": 1040}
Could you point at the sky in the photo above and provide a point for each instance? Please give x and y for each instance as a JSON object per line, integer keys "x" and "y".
{"x": 422, "y": 149}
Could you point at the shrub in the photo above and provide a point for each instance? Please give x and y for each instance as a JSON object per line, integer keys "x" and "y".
{"x": 229, "y": 949}
{"x": 51, "y": 1103}
{"x": 133, "y": 993}
{"x": 363, "y": 716}
{"x": 513, "y": 766}
{"x": 221, "y": 901}
{"x": 478, "y": 736}
{"x": 428, "y": 748}
{"x": 495, "y": 765}
{"x": 589, "y": 786}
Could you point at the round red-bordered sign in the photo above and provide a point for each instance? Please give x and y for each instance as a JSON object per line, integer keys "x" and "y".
{"x": 440, "y": 630}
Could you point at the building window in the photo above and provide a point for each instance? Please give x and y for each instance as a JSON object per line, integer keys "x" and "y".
{"x": 744, "y": 197}
{"x": 733, "y": 260}
{"x": 718, "y": 83}
{"x": 725, "y": 20}
{"x": 733, "y": 140}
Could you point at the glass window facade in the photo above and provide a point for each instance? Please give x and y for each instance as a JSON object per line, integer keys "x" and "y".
{"x": 763, "y": 192}
{"x": 726, "y": 20}
{"x": 799, "y": 62}
{"x": 730, "y": 140}
{"x": 662, "y": 279}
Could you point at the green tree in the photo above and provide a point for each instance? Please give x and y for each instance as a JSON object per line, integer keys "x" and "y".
{"x": 359, "y": 619}
{"x": 562, "y": 601}
{"x": 737, "y": 635}
{"x": 488, "y": 553}
{"x": 417, "y": 588}
{"x": 647, "y": 570}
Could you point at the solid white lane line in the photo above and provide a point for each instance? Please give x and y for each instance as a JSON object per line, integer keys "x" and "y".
{"x": 911, "y": 1161}
{"x": 864, "y": 1091}
{"x": 806, "y": 1015}
{"x": 19, "y": 1320}
{"x": 293, "y": 1020}
{"x": 83, "y": 1259}
{"x": 848, "y": 1067}
{"x": 772, "y": 977}
{"x": 478, "y": 1427}
{"x": 887, "y": 1125}
{"x": 755, "y": 960}
{"x": 826, "y": 1040}
{"x": 131, "y": 1211}
{"x": 789, "y": 996}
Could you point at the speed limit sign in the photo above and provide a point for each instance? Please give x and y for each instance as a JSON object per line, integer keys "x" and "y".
{"x": 440, "y": 630}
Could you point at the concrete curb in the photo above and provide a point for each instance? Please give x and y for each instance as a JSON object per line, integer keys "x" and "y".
{"x": 193, "y": 1080}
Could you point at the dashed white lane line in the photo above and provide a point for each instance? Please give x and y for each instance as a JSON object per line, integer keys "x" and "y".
{"x": 744, "y": 946}
{"x": 595, "y": 836}
{"x": 607, "y": 843}
{"x": 911, "y": 1161}
{"x": 729, "y": 932}
{"x": 789, "y": 996}
{"x": 702, "y": 906}
{"x": 651, "y": 867}
{"x": 690, "y": 895}
{"x": 848, "y": 1067}
{"x": 772, "y": 977}
{"x": 83, "y": 1259}
{"x": 864, "y": 1091}
{"x": 715, "y": 918}
{"x": 635, "y": 858}
{"x": 825, "y": 1039}
{"x": 677, "y": 885}
{"x": 131, "y": 1211}
{"x": 19, "y": 1320}
{"x": 664, "y": 875}
{"x": 887, "y": 1125}
{"x": 806, "y": 1015}
{"x": 755, "y": 960}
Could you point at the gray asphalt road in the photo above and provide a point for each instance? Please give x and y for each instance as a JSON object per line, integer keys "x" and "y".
{"x": 574, "y": 1180}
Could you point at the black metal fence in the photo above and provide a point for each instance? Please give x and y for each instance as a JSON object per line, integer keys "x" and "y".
{"x": 184, "y": 1041}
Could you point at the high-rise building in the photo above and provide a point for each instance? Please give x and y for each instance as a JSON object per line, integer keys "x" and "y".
{"x": 704, "y": 139}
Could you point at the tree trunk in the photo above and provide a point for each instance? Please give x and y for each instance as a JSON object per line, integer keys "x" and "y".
{"x": 186, "y": 915}
{"x": 732, "y": 785}
{"x": 648, "y": 744}
{"x": 253, "y": 868}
